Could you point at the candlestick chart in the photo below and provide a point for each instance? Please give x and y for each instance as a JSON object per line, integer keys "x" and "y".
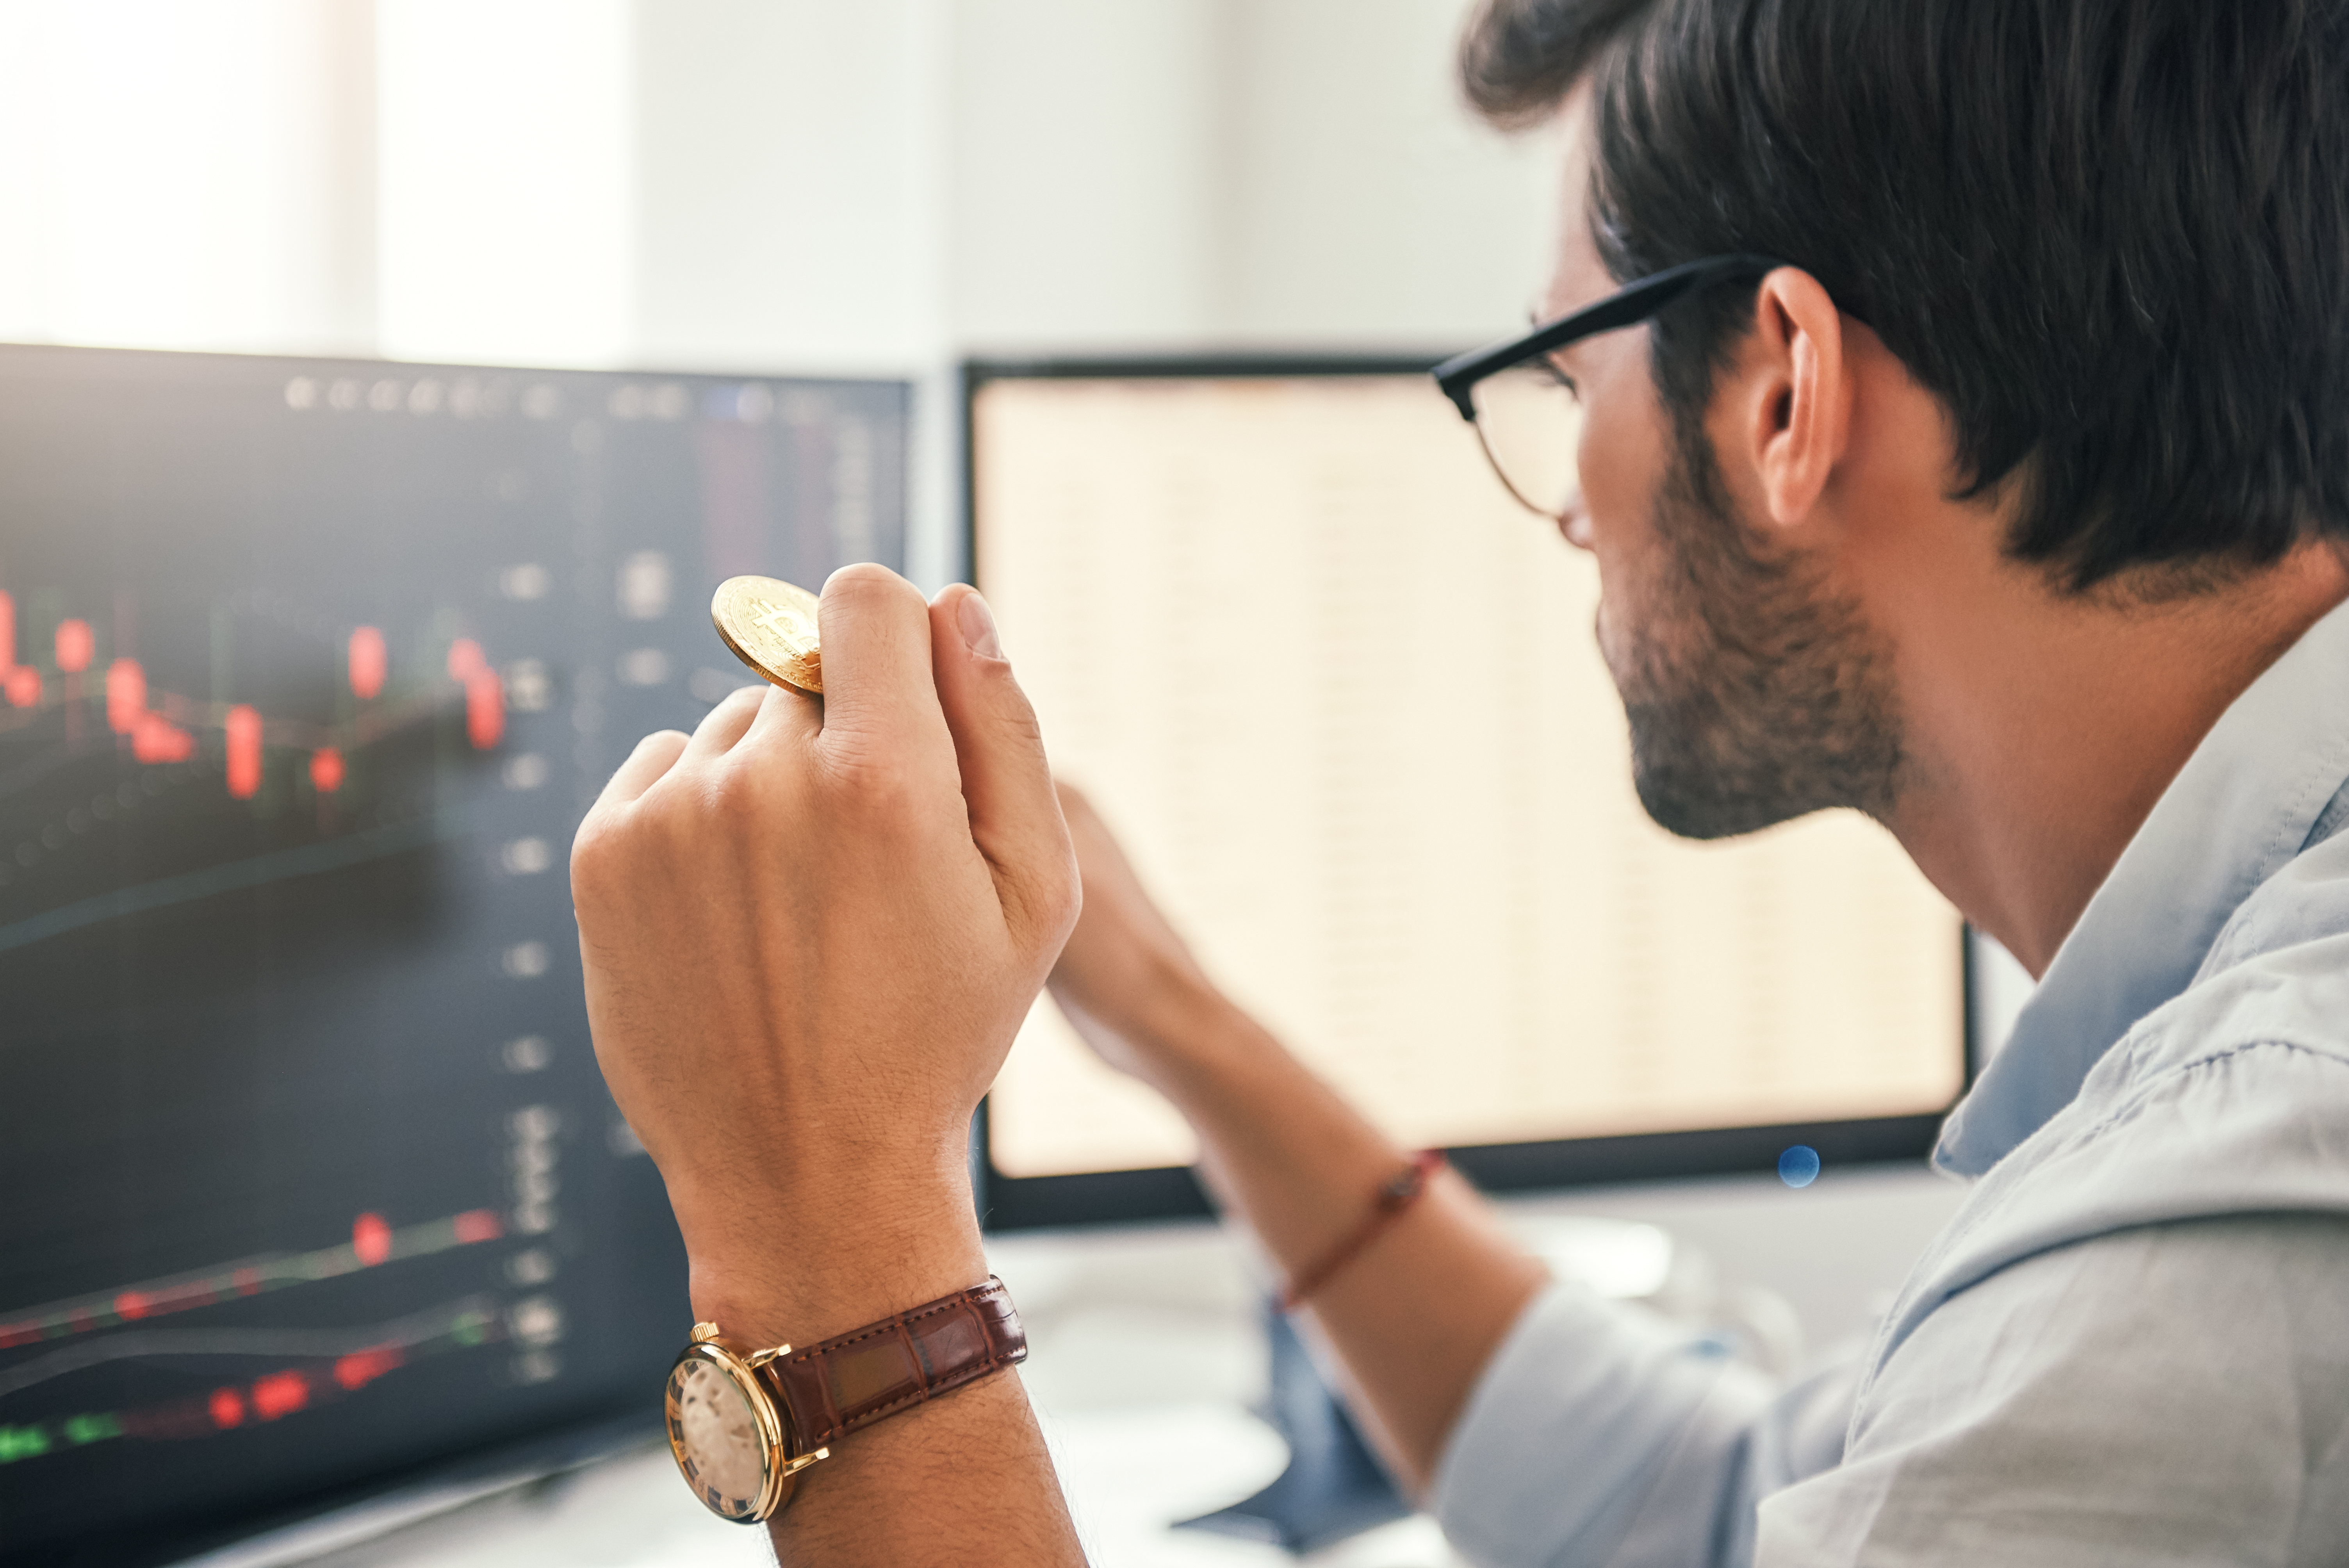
{"x": 104, "y": 764}
{"x": 308, "y": 671}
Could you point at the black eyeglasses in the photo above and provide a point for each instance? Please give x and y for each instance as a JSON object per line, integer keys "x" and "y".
{"x": 1524, "y": 411}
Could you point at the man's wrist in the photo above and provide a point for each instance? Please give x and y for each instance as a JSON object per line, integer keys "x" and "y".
{"x": 1196, "y": 1037}
{"x": 772, "y": 1272}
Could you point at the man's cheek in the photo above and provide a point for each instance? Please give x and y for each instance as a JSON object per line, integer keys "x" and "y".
{"x": 1628, "y": 605}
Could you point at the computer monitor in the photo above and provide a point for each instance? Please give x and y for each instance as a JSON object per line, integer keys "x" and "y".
{"x": 308, "y": 671}
{"x": 1340, "y": 698}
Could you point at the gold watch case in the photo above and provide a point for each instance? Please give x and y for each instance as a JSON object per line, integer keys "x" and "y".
{"x": 730, "y": 1438}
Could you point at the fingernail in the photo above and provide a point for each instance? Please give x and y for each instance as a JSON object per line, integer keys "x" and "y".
{"x": 979, "y": 627}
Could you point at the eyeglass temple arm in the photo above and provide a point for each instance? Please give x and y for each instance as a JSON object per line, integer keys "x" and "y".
{"x": 1456, "y": 378}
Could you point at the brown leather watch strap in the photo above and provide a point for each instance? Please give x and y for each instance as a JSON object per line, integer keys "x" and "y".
{"x": 895, "y": 1363}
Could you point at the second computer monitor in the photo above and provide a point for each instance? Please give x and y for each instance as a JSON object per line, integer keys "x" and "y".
{"x": 1340, "y": 698}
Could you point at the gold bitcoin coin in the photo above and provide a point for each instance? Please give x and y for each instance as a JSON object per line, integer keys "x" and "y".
{"x": 771, "y": 625}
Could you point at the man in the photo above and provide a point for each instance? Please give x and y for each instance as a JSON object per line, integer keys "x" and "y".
{"x": 2002, "y": 497}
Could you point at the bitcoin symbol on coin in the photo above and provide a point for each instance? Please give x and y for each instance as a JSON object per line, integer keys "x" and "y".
{"x": 771, "y": 625}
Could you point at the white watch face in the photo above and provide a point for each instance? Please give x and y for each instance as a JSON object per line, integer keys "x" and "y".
{"x": 714, "y": 1432}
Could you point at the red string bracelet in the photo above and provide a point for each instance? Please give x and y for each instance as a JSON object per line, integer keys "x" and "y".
{"x": 1396, "y": 1194}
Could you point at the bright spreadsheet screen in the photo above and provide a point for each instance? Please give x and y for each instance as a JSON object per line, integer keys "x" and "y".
{"x": 1341, "y": 699}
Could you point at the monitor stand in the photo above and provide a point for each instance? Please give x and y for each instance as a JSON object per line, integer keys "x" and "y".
{"x": 1333, "y": 1487}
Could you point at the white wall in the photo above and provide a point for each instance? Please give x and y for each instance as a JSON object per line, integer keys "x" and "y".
{"x": 899, "y": 182}
{"x": 790, "y": 184}
{"x": 784, "y": 183}
{"x": 885, "y": 186}
{"x": 1087, "y": 189}
{"x": 187, "y": 176}
{"x": 504, "y": 161}
{"x": 1370, "y": 208}
{"x": 772, "y": 184}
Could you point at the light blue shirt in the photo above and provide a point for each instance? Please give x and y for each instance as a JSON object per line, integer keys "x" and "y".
{"x": 2130, "y": 1346}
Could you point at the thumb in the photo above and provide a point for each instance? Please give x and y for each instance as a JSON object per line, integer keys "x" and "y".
{"x": 1007, "y": 785}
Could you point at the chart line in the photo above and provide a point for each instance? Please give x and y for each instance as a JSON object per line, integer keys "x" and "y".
{"x": 292, "y": 1345}
{"x": 281, "y": 865}
{"x": 372, "y": 1243}
{"x": 271, "y": 1397}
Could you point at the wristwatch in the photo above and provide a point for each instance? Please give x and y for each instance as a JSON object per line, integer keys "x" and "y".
{"x": 743, "y": 1423}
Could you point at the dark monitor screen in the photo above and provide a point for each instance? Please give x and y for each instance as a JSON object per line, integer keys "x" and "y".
{"x": 307, "y": 672}
{"x": 1340, "y": 698}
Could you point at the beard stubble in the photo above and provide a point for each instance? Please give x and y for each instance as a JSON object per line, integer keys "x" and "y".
{"x": 1754, "y": 694}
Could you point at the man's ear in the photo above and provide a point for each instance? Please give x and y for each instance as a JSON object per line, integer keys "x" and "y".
{"x": 1796, "y": 412}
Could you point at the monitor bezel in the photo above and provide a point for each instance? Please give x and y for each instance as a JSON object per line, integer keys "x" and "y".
{"x": 1158, "y": 1193}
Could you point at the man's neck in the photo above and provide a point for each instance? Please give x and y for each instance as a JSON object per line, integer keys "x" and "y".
{"x": 2043, "y": 728}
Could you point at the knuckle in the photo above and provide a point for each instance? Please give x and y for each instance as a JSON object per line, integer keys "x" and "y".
{"x": 594, "y": 850}
{"x": 670, "y": 741}
{"x": 586, "y": 851}
{"x": 730, "y": 707}
{"x": 878, "y": 789}
{"x": 733, "y": 795}
{"x": 867, "y": 585}
{"x": 881, "y": 796}
{"x": 1043, "y": 896}
{"x": 1064, "y": 898}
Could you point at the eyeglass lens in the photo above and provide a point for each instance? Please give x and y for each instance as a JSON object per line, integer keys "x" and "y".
{"x": 1530, "y": 422}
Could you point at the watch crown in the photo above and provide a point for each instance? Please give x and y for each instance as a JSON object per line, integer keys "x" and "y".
{"x": 703, "y": 1333}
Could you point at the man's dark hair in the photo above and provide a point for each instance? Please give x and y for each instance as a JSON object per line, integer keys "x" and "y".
{"x": 2111, "y": 236}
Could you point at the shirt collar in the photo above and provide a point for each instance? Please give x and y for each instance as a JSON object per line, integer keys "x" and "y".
{"x": 2240, "y": 808}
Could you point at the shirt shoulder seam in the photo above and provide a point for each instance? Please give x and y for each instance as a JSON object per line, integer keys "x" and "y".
{"x": 2136, "y": 1104}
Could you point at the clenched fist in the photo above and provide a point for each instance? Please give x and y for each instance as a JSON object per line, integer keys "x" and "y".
{"x": 809, "y": 932}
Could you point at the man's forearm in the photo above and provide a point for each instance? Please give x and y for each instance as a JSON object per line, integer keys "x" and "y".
{"x": 1417, "y": 1315}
